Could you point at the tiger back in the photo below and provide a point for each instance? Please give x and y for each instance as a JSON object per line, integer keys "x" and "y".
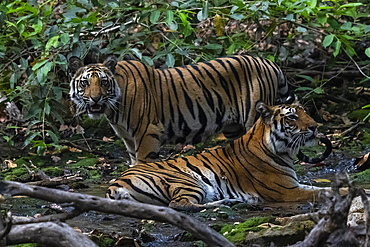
{"x": 255, "y": 167}
{"x": 150, "y": 107}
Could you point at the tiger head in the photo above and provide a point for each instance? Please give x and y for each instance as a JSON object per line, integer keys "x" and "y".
{"x": 289, "y": 127}
{"x": 93, "y": 88}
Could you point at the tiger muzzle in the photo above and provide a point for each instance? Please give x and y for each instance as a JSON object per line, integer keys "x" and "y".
{"x": 323, "y": 139}
{"x": 96, "y": 108}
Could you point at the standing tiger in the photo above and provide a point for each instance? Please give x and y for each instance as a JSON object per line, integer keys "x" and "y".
{"x": 257, "y": 166}
{"x": 149, "y": 107}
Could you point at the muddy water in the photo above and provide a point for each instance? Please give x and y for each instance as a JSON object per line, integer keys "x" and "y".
{"x": 163, "y": 235}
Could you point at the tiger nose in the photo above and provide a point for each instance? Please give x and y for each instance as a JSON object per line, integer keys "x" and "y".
{"x": 95, "y": 99}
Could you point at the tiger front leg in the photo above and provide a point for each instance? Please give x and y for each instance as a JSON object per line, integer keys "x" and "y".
{"x": 130, "y": 147}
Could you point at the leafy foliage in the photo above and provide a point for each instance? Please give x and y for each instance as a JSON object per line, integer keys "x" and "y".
{"x": 38, "y": 37}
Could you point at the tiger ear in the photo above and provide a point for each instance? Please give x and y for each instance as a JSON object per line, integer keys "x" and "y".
{"x": 74, "y": 64}
{"x": 264, "y": 111}
{"x": 111, "y": 63}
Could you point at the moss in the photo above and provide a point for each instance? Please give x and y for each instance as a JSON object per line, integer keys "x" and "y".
{"x": 53, "y": 171}
{"x": 366, "y": 138}
{"x": 222, "y": 213}
{"x": 200, "y": 244}
{"x": 358, "y": 115}
{"x": 361, "y": 177}
{"x": 94, "y": 127}
{"x": 103, "y": 241}
{"x": 28, "y": 245}
{"x": 237, "y": 233}
{"x": 10, "y": 178}
{"x": 84, "y": 162}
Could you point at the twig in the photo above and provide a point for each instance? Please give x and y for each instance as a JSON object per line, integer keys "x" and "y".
{"x": 101, "y": 31}
{"x": 358, "y": 67}
{"x": 351, "y": 128}
{"x": 121, "y": 207}
{"x": 68, "y": 143}
{"x": 52, "y": 217}
{"x": 166, "y": 38}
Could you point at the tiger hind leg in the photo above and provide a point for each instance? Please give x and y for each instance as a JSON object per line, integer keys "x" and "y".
{"x": 186, "y": 204}
{"x": 225, "y": 202}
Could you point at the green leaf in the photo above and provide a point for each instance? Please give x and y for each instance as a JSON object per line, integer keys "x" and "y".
{"x": 301, "y": 29}
{"x": 304, "y": 89}
{"x": 220, "y": 2}
{"x": 318, "y": 90}
{"x": 39, "y": 64}
{"x": 13, "y": 80}
{"x": 187, "y": 27}
{"x": 367, "y": 52}
{"x": 231, "y": 49}
{"x": 322, "y": 19}
{"x": 233, "y": 9}
{"x": 137, "y": 52}
{"x": 43, "y": 72}
{"x": 173, "y": 26}
{"x": 169, "y": 17}
{"x": 53, "y": 136}
{"x": 346, "y": 26}
{"x": 24, "y": 63}
{"x": 21, "y": 29}
{"x": 348, "y": 5}
{"x": 328, "y": 40}
{"x": 271, "y": 58}
{"x": 37, "y": 27}
{"x": 203, "y": 14}
{"x": 289, "y": 17}
{"x": 147, "y": 60}
{"x": 31, "y": 137}
{"x": 47, "y": 108}
{"x": 170, "y": 60}
{"x": 308, "y": 78}
{"x": 213, "y": 46}
{"x": 237, "y": 17}
{"x": 71, "y": 14}
{"x": 52, "y": 42}
{"x": 64, "y": 38}
{"x": 337, "y": 48}
{"x": 154, "y": 16}
{"x": 367, "y": 28}
{"x": 113, "y": 5}
{"x": 57, "y": 116}
{"x": 313, "y": 3}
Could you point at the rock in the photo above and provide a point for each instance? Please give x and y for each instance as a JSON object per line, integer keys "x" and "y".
{"x": 356, "y": 214}
{"x": 280, "y": 236}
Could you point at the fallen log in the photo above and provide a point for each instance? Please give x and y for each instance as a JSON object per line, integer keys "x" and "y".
{"x": 85, "y": 203}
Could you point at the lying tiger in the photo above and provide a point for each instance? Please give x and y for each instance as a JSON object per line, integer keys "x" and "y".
{"x": 257, "y": 166}
{"x": 150, "y": 107}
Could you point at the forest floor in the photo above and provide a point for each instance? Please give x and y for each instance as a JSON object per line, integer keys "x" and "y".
{"x": 87, "y": 160}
